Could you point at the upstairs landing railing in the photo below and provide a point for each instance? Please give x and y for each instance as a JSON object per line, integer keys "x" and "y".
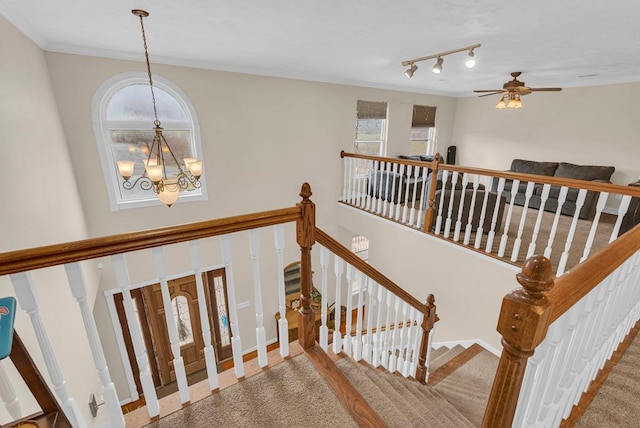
{"x": 558, "y": 332}
{"x": 473, "y": 208}
{"x": 403, "y": 350}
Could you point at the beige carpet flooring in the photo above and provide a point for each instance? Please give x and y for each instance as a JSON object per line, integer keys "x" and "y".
{"x": 290, "y": 394}
{"x": 617, "y": 403}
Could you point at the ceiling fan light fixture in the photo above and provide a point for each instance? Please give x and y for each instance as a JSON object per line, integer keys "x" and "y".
{"x": 471, "y": 60}
{"x": 410, "y": 71}
{"x": 437, "y": 68}
{"x": 514, "y": 101}
{"x": 501, "y": 104}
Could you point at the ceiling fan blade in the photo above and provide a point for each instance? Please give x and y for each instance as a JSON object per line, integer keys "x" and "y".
{"x": 489, "y": 90}
{"x": 546, "y": 89}
{"x": 491, "y": 93}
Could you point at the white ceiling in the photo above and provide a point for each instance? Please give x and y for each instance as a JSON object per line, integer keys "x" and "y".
{"x": 553, "y": 42}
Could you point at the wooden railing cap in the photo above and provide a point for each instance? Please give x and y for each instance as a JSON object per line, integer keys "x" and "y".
{"x": 536, "y": 276}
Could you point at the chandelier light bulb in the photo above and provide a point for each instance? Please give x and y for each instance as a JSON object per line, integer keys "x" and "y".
{"x": 437, "y": 68}
{"x": 126, "y": 169}
{"x": 471, "y": 61}
{"x": 501, "y": 104}
{"x": 169, "y": 193}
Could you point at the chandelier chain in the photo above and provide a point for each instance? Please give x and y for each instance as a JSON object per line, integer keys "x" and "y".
{"x": 146, "y": 56}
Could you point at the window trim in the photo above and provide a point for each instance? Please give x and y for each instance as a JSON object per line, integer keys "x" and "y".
{"x": 98, "y": 115}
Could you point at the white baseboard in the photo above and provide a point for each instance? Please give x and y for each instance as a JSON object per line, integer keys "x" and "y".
{"x": 466, "y": 343}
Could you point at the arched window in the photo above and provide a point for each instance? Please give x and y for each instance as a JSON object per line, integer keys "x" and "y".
{"x": 123, "y": 126}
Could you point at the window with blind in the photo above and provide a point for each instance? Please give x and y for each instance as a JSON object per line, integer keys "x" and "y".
{"x": 371, "y": 128}
{"x": 423, "y": 130}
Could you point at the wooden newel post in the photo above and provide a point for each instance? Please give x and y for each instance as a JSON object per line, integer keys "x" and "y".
{"x": 430, "y": 212}
{"x": 306, "y": 237}
{"x": 523, "y": 323}
{"x": 427, "y": 325}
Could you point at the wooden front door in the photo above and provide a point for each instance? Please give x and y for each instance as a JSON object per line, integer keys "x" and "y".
{"x": 184, "y": 304}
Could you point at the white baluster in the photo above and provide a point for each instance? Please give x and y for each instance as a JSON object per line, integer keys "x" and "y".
{"x": 472, "y": 206}
{"x": 582, "y": 193}
{"x": 406, "y": 368}
{"x": 416, "y": 346}
{"x": 338, "y": 268}
{"x": 261, "y": 338}
{"x": 458, "y": 226}
{"x": 283, "y": 324}
{"x": 523, "y": 219}
{"x": 387, "y": 331}
{"x": 392, "y": 207}
{"x": 345, "y": 181}
{"x": 384, "y": 171}
{"x": 367, "y": 349}
{"x": 600, "y": 205}
{"x": 324, "y": 330}
{"x": 348, "y": 342}
{"x": 8, "y": 394}
{"x": 209, "y": 351}
{"x": 393, "y": 359}
{"x": 236, "y": 341}
{"x": 622, "y": 210}
{"x": 494, "y": 218}
{"x": 505, "y": 235}
{"x": 483, "y": 213}
{"x": 405, "y": 209}
{"x": 403, "y": 342}
{"x": 536, "y": 229}
{"x": 377, "y": 176}
{"x": 377, "y": 343}
{"x": 361, "y": 182}
{"x": 79, "y": 292}
{"x": 362, "y": 284}
{"x": 172, "y": 326}
{"x": 554, "y": 227}
{"x": 27, "y": 296}
{"x": 445, "y": 176}
{"x": 452, "y": 197}
{"x": 146, "y": 381}
{"x": 412, "y": 214}
{"x": 401, "y": 174}
{"x": 126, "y": 362}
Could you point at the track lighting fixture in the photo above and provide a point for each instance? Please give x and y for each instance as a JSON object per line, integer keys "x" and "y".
{"x": 471, "y": 60}
{"x": 410, "y": 71}
{"x": 437, "y": 68}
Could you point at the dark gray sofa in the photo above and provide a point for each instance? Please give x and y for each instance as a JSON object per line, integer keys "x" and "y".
{"x": 596, "y": 173}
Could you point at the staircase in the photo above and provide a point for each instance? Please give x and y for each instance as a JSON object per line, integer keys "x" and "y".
{"x": 460, "y": 381}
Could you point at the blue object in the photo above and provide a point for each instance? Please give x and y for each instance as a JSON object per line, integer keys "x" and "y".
{"x": 7, "y": 316}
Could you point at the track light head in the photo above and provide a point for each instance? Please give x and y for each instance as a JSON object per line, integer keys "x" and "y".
{"x": 437, "y": 68}
{"x": 410, "y": 71}
{"x": 471, "y": 61}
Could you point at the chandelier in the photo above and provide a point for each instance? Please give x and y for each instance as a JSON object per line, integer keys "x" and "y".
{"x": 155, "y": 176}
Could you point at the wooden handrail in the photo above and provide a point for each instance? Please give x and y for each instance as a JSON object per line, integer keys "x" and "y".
{"x": 52, "y": 255}
{"x": 334, "y": 246}
{"x": 542, "y": 179}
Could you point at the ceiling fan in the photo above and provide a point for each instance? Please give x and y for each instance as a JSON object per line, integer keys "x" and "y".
{"x": 512, "y": 91}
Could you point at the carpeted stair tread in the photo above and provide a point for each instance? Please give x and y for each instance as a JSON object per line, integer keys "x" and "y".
{"x": 436, "y": 363}
{"x": 385, "y": 408}
{"x": 437, "y": 352}
{"x": 416, "y": 409}
{"x": 269, "y": 398}
{"x": 468, "y": 387}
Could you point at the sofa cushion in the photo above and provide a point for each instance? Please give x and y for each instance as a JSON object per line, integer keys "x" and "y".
{"x": 409, "y": 157}
{"x": 533, "y": 167}
{"x": 584, "y": 172}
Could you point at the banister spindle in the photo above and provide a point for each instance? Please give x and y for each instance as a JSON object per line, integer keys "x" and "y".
{"x": 524, "y": 319}
{"x": 261, "y": 336}
{"x": 209, "y": 351}
{"x": 428, "y": 321}
{"x": 306, "y": 237}
{"x": 347, "y": 343}
{"x": 172, "y": 326}
{"x": 27, "y": 297}
{"x": 338, "y": 269}
{"x": 79, "y": 292}
{"x": 236, "y": 341}
{"x": 8, "y": 393}
{"x": 283, "y": 324}
{"x": 505, "y": 235}
{"x": 377, "y": 342}
{"x": 324, "y": 329}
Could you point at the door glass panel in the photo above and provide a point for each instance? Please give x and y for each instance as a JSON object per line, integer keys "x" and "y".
{"x": 182, "y": 316}
{"x": 223, "y": 319}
